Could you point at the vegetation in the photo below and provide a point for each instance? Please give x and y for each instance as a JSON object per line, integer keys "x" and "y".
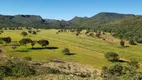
{"x": 6, "y": 39}
{"x": 122, "y": 43}
{"x": 131, "y": 41}
{"x": 112, "y": 56}
{"x": 43, "y": 43}
{"x": 25, "y": 41}
{"x": 66, "y": 51}
{"x": 24, "y": 33}
{"x": 75, "y": 35}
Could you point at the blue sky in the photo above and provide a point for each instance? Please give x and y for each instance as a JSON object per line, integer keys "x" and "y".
{"x": 67, "y": 9}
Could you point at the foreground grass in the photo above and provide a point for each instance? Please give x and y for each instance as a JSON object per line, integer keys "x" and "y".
{"x": 88, "y": 50}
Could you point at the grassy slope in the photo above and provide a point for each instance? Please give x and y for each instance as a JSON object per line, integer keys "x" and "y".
{"x": 88, "y": 50}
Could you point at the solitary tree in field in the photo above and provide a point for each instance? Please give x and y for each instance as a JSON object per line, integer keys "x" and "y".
{"x": 43, "y": 43}
{"x": 122, "y": 43}
{"x": 30, "y": 31}
{"x": 24, "y": 33}
{"x": 34, "y": 32}
{"x": 6, "y": 40}
{"x": 112, "y": 56}
{"x": 25, "y": 41}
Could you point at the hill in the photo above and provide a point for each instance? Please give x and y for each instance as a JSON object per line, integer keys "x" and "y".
{"x": 98, "y": 19}
{"x": 37, "y": 21}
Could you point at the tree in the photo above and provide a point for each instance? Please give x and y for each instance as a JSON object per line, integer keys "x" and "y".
{"x": 122, "y": 43}
{"x": 112, "y": 56}
{"x": 25, "y": 41}
{"x": 24, "y": 33}
{"x": 29, "y": 31}
{"x": 33, "y": 43}
{"x": 34, "y": 32}
{"x": 43, "y": 43}
{"x": 6, "y": 40}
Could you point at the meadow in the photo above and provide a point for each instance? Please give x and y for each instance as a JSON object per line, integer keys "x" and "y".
{"x": 87, "y": 50}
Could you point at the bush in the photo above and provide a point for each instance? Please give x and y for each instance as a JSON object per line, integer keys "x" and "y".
{"x": 115, "y": 69}
{"x": 4, "y": 71}
{"x": 131, "y": 42}
{"x": 28, "y": 58}
{"x": 53, "y": 71}
{"x": 112, "y": 56}
{"x": 122, "y": 43}
{"x": 66, "y": 51}
{"x": 22, "y": 69}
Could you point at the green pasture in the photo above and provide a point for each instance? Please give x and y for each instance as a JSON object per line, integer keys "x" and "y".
{"x": 88, "y": 50}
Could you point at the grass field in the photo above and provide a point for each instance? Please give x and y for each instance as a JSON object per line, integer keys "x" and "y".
{"x": 88, "y": 50}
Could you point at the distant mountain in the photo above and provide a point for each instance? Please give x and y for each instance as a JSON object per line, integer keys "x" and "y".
{"x": 27, "y": 19}
{"x": 98, "y": 19}
{"x": 37, "y": 21}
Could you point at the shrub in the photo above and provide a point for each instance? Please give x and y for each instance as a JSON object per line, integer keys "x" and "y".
{"x": 91, "y": 34}
{"x": 131, "y": 42}
{"x": 53, "y": 70}
{"x": 134, "y": 64}
{"x": 115, "y": 69}
{"x": 22, "y": 69}
{"x": 66, "y": 51}
{"x": 28, "y": 58}
{"x": 4, "y": 71}
{"x": 122, "y": 43}
{"x": 112, "y": 56}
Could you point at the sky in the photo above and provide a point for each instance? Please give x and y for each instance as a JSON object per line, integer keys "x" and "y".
{"x": 67, "y": 9}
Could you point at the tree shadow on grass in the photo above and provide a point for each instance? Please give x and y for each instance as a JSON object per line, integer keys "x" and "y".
{"x": 40, "y": 48}
{"x": 123, "y": 47}
{"x": 70, "y": 54}
{"x": 121, "y": 61}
